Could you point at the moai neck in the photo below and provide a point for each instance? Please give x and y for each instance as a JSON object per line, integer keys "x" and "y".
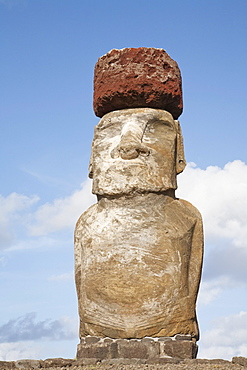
{"x": 166, "y": 196}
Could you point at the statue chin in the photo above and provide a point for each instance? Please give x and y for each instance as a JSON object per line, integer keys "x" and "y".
{"x": 132, "y": 179}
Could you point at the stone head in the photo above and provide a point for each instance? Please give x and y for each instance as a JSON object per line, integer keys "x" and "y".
{"x": 136, "y": 151}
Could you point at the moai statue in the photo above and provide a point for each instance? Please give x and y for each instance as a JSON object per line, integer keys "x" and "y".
{"x": 138, "y": 251}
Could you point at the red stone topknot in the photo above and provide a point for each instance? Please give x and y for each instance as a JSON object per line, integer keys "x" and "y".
{"x": 137, "y": 78}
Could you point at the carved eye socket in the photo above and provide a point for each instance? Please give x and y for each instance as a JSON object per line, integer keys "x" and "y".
{"x": 167, "y": 124}
{"x": 158, "y": 132}
{"x": 108, "y": 124}
{"x": 159, "y": 125}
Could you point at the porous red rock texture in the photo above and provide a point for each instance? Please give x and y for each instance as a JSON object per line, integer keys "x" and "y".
{"x": 137, "y": 78}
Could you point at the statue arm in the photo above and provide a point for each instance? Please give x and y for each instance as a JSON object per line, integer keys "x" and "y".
{"x": 188, "y": 303}
{"x": 81, "y": 238}
{"x": 77, "y": 253}
{"x": 196, "y": 249}
{"x": 196, "y": 258}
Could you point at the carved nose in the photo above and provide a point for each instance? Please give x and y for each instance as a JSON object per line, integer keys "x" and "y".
{"x": 128, "y": 151}
{"x": 132, "y": 151}
{"x": 130, "y": 146}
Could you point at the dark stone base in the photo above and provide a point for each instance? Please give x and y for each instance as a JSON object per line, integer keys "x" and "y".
{"x": 146, "y": 349}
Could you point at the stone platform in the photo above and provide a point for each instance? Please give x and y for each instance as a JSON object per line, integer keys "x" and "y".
{"x": 237, "y": 363}
{"x": 179, "y": 347}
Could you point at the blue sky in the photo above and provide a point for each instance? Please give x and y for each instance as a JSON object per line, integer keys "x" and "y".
{"x": 48, "y": 52}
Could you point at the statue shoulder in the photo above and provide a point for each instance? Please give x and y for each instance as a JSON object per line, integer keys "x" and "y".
{"x": 86, "y": 217}
{"x": 189, "y": 208}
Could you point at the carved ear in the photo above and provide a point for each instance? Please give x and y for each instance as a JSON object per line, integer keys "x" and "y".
{"x": 180, "y": 159}
{"x": 90, "y": 170}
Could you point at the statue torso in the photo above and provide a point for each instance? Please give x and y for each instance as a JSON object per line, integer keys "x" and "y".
{"x": 133, "y": 262}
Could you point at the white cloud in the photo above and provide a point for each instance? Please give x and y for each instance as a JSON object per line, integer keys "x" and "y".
{"x": 22, "y": 229}
{"x": 63, "y": 212}
{"x": 24, "y": 337}
{"x": 12, "y": 211}
{"x": 27, "y": 328}
{"x": 210, "y": 290}
{"x": 42, "y": 349}
{"x": 19, "y": 350}
{"x": 15, "y": 203}
{"x": 226, "y": 259}
{"x": 228, "y": 337}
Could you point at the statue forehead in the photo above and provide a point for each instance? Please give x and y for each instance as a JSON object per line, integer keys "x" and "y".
{"x": 136, "y": 116}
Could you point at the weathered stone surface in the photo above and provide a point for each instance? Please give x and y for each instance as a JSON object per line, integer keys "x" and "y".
{"x": 164, "y": 360}
{"x": 28, "y": 364}
{"x": 136, "y": 151}
{"x": 56, "y": 362}
{"x": 108, "y": 340}
{"x": 7, "y": 365}
{"x": 164, "y": 339}
{"x": 86, "y": 361}
{"x": 182, "y": 337}
{"x": 145, "y": 364}
{"x": 240, "y": 361}
{"x": 137, "y": 349}
{"x": 160, "y": 363}
{"x": 181, "y": 349}
{"x": 215, "y": 361}
{"x": 137, "y": 78}
{"x": 91, "y": 340}
{"x": 100, "y": 351}
{"x": 124, "y": 362}
{"x": 131, "y": 285}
